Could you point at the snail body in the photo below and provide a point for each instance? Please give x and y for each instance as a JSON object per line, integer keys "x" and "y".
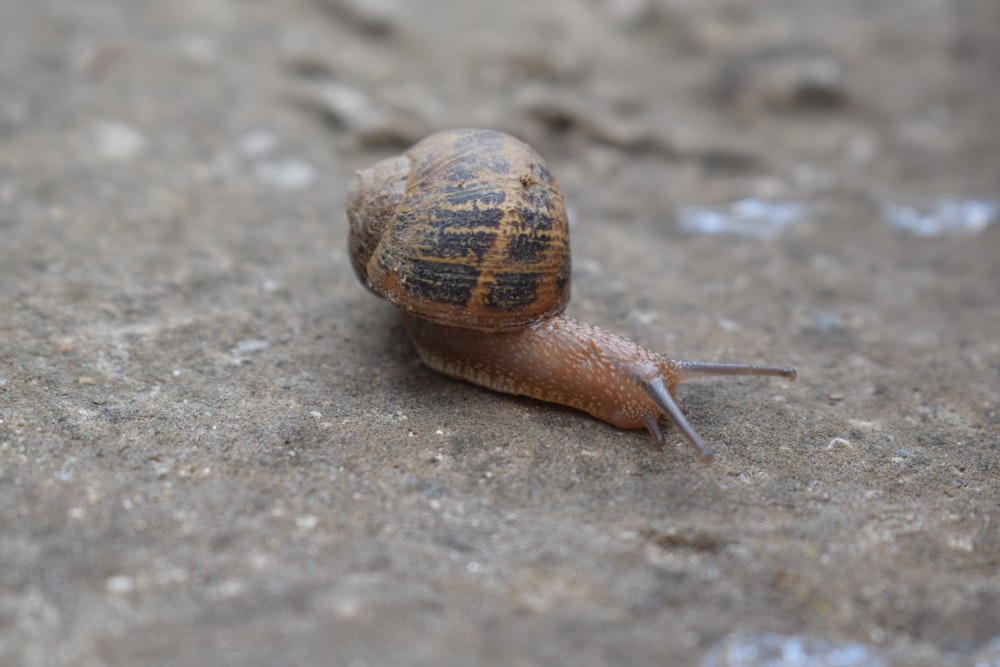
{"x": 466, "y": 234}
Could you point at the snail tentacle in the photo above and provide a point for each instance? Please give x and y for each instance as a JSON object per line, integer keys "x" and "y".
{"x": 658, "y": 392}
{"x": 689, "y": 370}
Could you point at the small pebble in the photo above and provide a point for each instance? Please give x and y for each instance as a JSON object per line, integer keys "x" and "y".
{"x": 287, "y": 174}
{"x": 750, "y": 218}
{"x": 197, "y": 49}
{"x": 945, "y": 216}
{"x": 839, "y": 442}
{"x": 119, "y": 585}
{"x": 306, "y": 522}
{"x": 728, "y": 325}
{"x": 765, "y": 649}
{"x": 256, "y": 143}
{"x": 251, "y": 345}
{"x": 117, "y": 141}
{"x": 228, "y": 588}
{"x": 827, "y": 321}
{"x": 863, "y": 425}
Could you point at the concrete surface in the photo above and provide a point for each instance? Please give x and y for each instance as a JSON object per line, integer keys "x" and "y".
{"x": 217, "y": 448}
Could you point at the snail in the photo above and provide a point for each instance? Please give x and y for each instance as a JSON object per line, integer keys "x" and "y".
{"x": 466, "y": 234}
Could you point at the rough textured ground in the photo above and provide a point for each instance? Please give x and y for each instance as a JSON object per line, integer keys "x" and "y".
{"x": 217, "y": 448}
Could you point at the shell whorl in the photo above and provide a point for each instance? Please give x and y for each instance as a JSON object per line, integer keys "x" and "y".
{"x": 467, "y": 228}
{"x": 371, "y": 202}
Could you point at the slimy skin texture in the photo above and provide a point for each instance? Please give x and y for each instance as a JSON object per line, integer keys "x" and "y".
{"x": 559, "y": 359}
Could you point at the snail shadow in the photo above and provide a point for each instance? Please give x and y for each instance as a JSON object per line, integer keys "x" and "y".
{"x": 380, "y": 342}
{"x": 380, "y": 339}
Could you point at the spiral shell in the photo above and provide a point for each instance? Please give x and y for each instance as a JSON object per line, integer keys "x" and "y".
{"x": 467, "y": 228}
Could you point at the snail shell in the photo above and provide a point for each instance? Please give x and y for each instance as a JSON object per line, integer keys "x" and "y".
{"x": 467, "y": 228}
